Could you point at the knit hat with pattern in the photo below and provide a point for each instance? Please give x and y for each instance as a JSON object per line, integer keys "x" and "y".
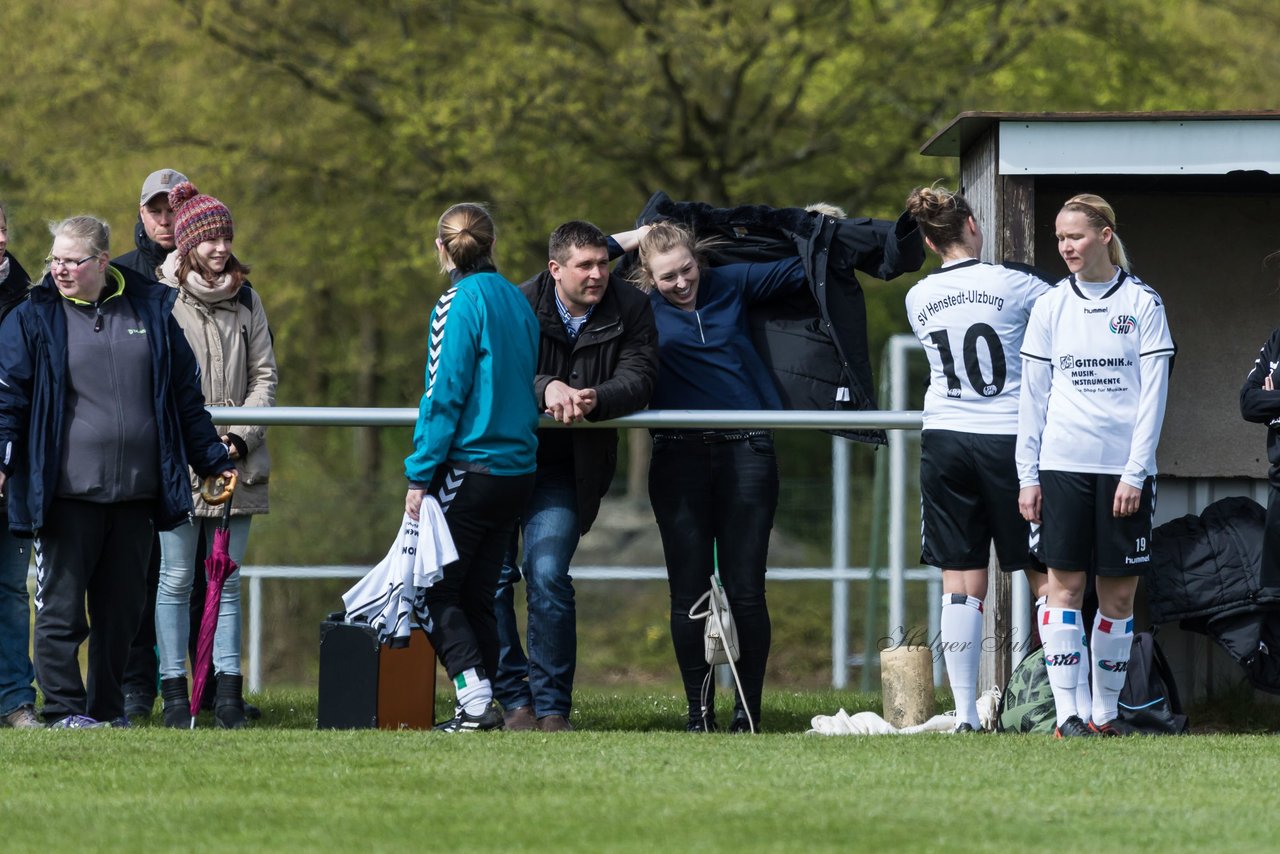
{"x": 197, "y": 217}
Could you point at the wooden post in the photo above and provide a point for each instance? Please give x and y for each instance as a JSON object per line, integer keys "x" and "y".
{"x": 1004, "y": 206}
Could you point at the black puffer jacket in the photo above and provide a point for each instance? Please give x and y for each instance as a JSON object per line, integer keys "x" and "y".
{"x": 616, "y": 353}
{"x": 1206, "y": 573}
{"x": 815, "y": 344}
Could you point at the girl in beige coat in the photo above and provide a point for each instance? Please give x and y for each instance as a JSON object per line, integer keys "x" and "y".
{"x": 227, "y": 329}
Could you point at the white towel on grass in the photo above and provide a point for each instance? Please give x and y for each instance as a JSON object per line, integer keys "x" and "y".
{"x": 869, "y": 723}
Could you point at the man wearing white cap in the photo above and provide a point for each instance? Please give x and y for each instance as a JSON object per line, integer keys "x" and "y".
{"x": 153, "y": 235}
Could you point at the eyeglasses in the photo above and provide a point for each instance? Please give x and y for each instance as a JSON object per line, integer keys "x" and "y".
{"x": 68, "y": 264}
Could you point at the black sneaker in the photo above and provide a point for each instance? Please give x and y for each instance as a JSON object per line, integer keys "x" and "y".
{"x": 490, "y": 718}
{"x": 700, "y": 724}
{"x": 741, "y": 723}
{"x": 964, "y": 727}
{"x": 1072, "y": 727}
{"x": 1107, "y": 730}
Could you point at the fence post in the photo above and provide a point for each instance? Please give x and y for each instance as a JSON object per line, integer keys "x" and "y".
{"x": 839, "y": 562}
{"x": 898, "y": 489}
{"x": 255, "y": 633}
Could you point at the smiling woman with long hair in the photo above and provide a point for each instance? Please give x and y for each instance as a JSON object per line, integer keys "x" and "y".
{"x": 223, "y": 320}
{"x": 714, "y": 492}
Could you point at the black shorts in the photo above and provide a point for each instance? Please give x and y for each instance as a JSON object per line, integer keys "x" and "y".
{"x": 968, "y": 498}
{"x": 1079, "y": 531}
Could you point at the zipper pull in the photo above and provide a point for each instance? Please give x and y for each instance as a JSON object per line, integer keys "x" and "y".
{"x": 97, "y": 322}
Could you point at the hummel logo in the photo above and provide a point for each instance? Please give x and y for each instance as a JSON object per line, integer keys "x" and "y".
{"x": 437, "y": 338}
{"x": 449, "y": 490}
{"x": 137, "y": 331}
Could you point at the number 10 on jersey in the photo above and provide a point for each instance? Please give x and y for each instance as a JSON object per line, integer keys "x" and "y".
{"x": 972, "y": 368}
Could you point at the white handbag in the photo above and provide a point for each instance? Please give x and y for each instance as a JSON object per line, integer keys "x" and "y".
{"x": 719, "y": 640}
{"x": 720, "y": 635}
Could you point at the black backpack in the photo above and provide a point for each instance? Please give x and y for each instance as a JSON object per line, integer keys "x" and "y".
{"x": 1149, "y": 702}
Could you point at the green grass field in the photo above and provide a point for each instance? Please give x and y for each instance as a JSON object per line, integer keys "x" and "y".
{"x": 627, "y": 780}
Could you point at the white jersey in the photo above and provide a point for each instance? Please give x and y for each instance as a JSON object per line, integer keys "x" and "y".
{"x": 1107, "y": 347}
{"x": 971, "y": 317}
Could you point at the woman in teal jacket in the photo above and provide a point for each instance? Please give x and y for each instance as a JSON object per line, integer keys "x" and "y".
{"x": 475, "y": 446}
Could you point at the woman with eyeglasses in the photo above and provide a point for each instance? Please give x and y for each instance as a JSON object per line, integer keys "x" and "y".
{"x": 100, "y": 415}
{"x": 17, "y": 692}
{"x": 474, "y": 451}
{"x": 226, "y": 326}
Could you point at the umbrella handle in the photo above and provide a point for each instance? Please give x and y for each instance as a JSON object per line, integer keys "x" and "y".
{"x": 218, "y": 489}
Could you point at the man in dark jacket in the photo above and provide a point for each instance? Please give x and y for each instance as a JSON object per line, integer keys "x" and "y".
{"x": 597, "y": 360}
{"x": 153, "y": 233}
{"x": 154, "y": 237}
{"x": 100, "y": 414}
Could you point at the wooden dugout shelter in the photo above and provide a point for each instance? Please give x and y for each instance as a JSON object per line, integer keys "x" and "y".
{"x": 1197, "y": 200}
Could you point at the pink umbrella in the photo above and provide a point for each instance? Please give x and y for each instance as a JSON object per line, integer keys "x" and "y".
{"x": 217, "y": 566}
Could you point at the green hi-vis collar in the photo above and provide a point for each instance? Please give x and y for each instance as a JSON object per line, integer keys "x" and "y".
{"x": 114, "y": 275}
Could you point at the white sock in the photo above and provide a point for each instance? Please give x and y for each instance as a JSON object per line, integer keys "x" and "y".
{"x": 1041, "y": 604}
{"x": 1084, "y": 697}
{"x": 961, "y": 636}
{"x": 1060, "y": 637}
{"x": 474, "y": 692}
{"x": 1112, "y": 644}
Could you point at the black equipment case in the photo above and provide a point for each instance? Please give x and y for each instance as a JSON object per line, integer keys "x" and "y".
{"x": 365, "y": 684}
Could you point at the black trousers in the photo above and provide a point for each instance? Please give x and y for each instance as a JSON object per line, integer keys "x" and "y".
{"x": 95, "y": 556}
{"x": 481, "y": 511}
{"x": 714, "y": 495}
{"x": 141, "y": 673}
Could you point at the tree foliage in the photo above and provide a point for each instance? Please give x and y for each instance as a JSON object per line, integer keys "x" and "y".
{"x": 338, "y": 131}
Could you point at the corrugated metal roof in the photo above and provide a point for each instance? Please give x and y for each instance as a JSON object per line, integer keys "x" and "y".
{"x": 965, "y": 128}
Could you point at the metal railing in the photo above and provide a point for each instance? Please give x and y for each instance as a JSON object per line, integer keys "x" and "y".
{"x": 840, "y": 574}
{"x": 255, "y": 575}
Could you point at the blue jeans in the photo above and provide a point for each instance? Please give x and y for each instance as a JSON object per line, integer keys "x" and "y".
{"x": 16, "y": 673}
{"x": 543, "y": 679}
{"x": 173, "y": 598}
